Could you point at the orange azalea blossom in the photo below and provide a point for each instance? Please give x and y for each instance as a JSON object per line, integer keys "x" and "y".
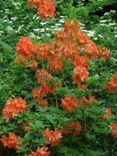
{"x": 55, "y": 64}
{"x": 81, "y": 61}
{"x": 70, "y": 51}
{"x": 41, "y": 92}
{"x": 72, "y": 25}
{"x": 113, "y": 127}
{"x": 82, "y": 86}
{"x": 85, "y": 100}
{"x": 47, "y": 9}
{"x": 60, "y": 36}
{"x": 91, "y": 50}
{"x": 112, "y": 84}
{"x": 107, "y": 113}
{"x": 32, "y": 64}
{"x": 53, "y": 136}
{"x": 11, "y": 141}
{"x": 104, "y": 54}
{"x": 36, "y": 93}
{"x": 44, "y": 90}
{"x": 13, "y": 107}
{"x": 80, "y": 74}
{"x": 43, "y": 76}
{"x": 82, "y": 38}
{"x": 42, "y": 102}
{"x": 25, "y": 47}
{"x": 41, "y": 151}
{"x": 42, "y": 51}
{"x": 114, "y": 78}
{"x": 69, "y": 103}
{"x": 73, "y": 128}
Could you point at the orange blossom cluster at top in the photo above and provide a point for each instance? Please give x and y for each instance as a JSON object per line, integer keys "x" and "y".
{"x": 72, "y": 45}
{"x": 45, "y": 8}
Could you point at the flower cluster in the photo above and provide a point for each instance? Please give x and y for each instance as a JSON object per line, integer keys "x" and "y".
{"x": 112, "y": 84}
{"x": 41, "y": 151}
{"x": 25, "y": 47}
{"x": 46, "y": 86}
{"x": 69, "y": 103}
{"x": 72, "y": 128}
{"x": 13, "y": 107}
{"x": 113, "y": 126}
{"x": 53, "y": 136}
{"x": 32, "y": 64}
{"x": 86, "y": 100}
{"x": 10, "y": 141}
{"x": 104, "y": 54}
{"x": 107, "y": 114}
{"x": 45, "y": 8}
{"x": 70, "y": 46}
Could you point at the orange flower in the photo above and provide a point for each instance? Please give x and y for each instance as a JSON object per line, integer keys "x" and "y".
{"x": 104, "y": 54}
{"x": 107, "y": 114}
{"x": 112, "y": 84}
{"x": 13, "y": 107}
{"x": 88, "y": 100}
{"x": 113, "y": 127}
{"x": 60, "y": 36}
{"x": 32, "y": 64}
{"x": 43, "y": 151}
{"x": 92, "y": 99}
{"x": 53, "y": 136}
{"x": 42, "y": 102}
{"x": 11, "y": 141}
{"x": 44, "y": 90}
{"x": 82, "y": 38}
{"x": 42, "y": 51}
{"x": 91, "y": 50}
{"x": 72, "y": 25}
{"x": 70, "y": 51}
{"x": 81, "y": 61}
{"x": 83, "y": 86}
{"x": 69, "y": 103}
{"x": 25, "y": 47}
{"x": 80, "y": 74}
{"x": 36, "y": 93}
{"x": 114, "y": 78}
{"x": 43, "y": 76}
{"x": 74, "y": 127}
{"x": 56, "y": 64}
{"x": 46, "y": 10}
{"x": 84, "y": 101}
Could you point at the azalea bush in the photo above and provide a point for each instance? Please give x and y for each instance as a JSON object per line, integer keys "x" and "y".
{"x": 63, "y": 109}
